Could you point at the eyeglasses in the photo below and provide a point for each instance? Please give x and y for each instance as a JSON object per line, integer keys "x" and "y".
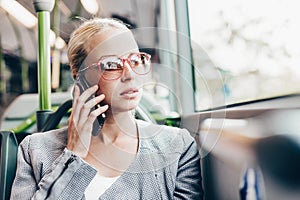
{"x": 111, "y": 67}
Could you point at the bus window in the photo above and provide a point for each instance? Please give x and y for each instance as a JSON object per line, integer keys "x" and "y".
{"x": 244, "y": 50}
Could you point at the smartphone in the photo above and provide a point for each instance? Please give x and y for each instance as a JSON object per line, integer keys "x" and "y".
{"x": 98, "y": 124}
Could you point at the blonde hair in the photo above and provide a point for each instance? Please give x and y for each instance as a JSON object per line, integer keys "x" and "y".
{"x": 77, "y": 51}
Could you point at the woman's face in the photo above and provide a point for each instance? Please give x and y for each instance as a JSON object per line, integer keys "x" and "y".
{"x": 122, "y": 94}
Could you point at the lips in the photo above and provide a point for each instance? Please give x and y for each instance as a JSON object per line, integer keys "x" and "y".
{"x": 130, "y": 93}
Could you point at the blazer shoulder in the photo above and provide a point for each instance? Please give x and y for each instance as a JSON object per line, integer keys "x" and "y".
{"x": 165, "y": 137}
{"x": 54, "y": 139}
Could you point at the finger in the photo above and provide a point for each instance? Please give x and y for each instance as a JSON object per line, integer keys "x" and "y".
{"x": 94, "y": 101}
{"x": 80, "y": 101}
{"x": 88, "y": 107}
{"x": 76, "y": 91}
{"x": 88, "y": 93}
{"x": 72, "y": 131}
{"x": 94, "y": 114}
{"x": 76, "y": 94}
{"x": 75, "y": 99}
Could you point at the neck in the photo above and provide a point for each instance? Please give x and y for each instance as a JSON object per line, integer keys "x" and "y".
{"x": 117, "y": 126}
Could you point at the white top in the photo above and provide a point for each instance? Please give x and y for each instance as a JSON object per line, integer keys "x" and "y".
{"x": 98, "y": 186}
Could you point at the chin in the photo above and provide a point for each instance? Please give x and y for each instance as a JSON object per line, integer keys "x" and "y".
{"x": 131, "y": 105}
{"x": 125, "y": 106}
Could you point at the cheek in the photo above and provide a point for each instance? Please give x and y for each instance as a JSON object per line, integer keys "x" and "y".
{"x": 140, "y": 81}
{"x": 144, "y": 79}
{"x": 108, "y": 89}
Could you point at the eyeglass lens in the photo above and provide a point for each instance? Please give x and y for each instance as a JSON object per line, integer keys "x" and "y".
{"x": 111, "y": 67}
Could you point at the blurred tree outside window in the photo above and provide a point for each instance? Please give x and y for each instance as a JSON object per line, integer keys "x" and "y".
{"x": 244, "y": 50}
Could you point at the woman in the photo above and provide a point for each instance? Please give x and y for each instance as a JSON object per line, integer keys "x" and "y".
{"x": 120, "y": 158}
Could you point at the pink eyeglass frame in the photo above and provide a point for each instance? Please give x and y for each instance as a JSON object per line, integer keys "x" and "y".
{"x": 123, "y": 60}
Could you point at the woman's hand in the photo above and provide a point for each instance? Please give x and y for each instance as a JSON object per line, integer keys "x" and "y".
{"x": 81, "y": 121}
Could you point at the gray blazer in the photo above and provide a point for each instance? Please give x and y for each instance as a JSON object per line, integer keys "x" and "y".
{"x": 167, "y": 166}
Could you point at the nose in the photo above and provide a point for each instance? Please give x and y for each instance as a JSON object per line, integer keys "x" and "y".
{"x": 128, "y": 74}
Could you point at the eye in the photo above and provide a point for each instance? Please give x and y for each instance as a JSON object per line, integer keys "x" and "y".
{"x": 135, "y": 60}
{"x": 110, "y": 64}
{"x": 144, "y": 59}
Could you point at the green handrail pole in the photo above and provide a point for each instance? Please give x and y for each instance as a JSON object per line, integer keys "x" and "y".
{"x": 44, "y": 60}
{"x": 43, "y": 9}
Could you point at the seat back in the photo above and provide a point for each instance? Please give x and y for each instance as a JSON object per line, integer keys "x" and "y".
{"x": 8, "y": 162}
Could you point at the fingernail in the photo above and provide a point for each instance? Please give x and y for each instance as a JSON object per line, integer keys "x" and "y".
{"x": 101, "y": 96}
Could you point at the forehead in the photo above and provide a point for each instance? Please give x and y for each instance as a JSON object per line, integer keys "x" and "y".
{"x": 111, "y": 42}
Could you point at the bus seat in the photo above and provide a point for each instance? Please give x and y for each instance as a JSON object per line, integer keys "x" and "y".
{"x": 278, "y": 157}
{"x": 8, "y": 162}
